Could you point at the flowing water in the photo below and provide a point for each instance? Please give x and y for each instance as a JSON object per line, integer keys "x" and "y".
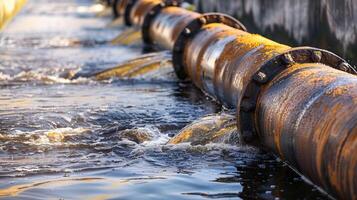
{"x": 64, "y": 135}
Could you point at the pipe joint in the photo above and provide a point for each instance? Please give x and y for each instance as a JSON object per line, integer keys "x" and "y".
{"x": 192, "y": 29}
{"x": 128, "y": 6}
{"x": 152, "y": 15}
{"x": 268, "y": 71}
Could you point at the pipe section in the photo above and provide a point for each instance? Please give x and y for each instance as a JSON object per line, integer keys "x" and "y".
{"x": 308, "y": 116}
{"x": 221, "y": 60}
{"x": 140, "y": 9}
{"x": 8, "y": 9}
{"x": 122, "y": 8}
{"x": 300, "y": 102}
{"x": 168, "y": 24}
{"x": 305, "y": 112}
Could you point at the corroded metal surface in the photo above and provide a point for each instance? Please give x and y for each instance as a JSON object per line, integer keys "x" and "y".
{"x": 222, "y": 60}
{"x": 299, "y": 105}
{"x": 119, "y": 7}
{"x": 308, "y": 116}
{"x": 141, "y": 9}
{"x": 193, "y": 28}
{"x": 168, "y": 24}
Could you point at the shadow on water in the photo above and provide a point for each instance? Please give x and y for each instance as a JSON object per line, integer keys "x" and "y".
{"x": 327, "y": 24}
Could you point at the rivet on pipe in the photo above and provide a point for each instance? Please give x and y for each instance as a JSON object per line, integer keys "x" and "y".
{"x": 260, "y": 77}
{"x": 288, "y": 59}
{"x": 344, "y": 66}
{"x": 316, "y": 56}
{"x": 187, "y": 31}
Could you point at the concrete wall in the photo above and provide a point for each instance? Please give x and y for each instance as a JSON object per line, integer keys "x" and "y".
{"x": 328, "y": 24}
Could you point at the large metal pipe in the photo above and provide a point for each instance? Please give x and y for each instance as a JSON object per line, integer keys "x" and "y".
{"x": 235, "y": 66}
{"x": 122, "y": 8}
{"x": 168, "y": 24}
{"x": 134, "y": 12}
{"x": 140, "y": 10}
{"x": 119, "y": 7}
{"x": 292, "y": 98}
{"x": 221, "y": 60}
{"x": 308, "y": 116}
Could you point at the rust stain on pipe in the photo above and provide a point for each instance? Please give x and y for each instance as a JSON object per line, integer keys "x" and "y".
{"x": 292, "y": 98}
{"x": 308, "y": 116}
{"x": 168, "y": 25}
{"x": 310, "y": 121}
{"x": 141, "y": 9}
{"x": 222, "y": 60}
{"x": 120, "y": 7}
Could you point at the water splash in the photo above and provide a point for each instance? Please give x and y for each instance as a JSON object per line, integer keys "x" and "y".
{"x": 149, "y": 66}
{"x": 220, "y": 128}
{"x": 130, "y": 36}
{"x": 118, "y": 22}
{"x": 42, "y": 77}
{"x": 103, "y": 11}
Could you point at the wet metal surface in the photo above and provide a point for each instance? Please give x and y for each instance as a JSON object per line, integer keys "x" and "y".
{"x": 82, "y": 138}
{"x": 168, "y": 25}
{"x": 141, "y": 9}
{"x": 221, "y": 60}
{"x": 234, "y": 66}
{"x": 317, "y": 118}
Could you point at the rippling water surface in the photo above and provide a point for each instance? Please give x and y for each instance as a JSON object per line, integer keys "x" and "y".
{"x": 88, "y": 139}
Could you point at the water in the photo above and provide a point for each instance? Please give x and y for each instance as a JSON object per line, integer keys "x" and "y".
{"x": 64, "y": 138}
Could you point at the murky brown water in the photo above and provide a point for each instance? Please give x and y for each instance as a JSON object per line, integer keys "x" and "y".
{"x": 90, "y": 139}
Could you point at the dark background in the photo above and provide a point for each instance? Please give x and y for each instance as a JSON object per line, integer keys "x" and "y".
{"x": 326, "y": 24}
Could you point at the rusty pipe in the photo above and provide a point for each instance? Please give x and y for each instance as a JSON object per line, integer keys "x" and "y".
{"x": 134, "y": 12}
{"x": 292, "y": 98}
{"x": 140, "y": 9}
{"x": 122, "y": 8}
{"x": 221, "y": 60}
{"x": 308, "y": 116}
{"x": 168, "y": 24}
{"x": 234, "y": 67}
{"x": 119, "y": 7}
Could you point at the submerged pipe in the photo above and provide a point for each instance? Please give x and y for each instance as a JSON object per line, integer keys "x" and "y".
{"x": 8, "y": 9}
{"x": 300, "y": 102}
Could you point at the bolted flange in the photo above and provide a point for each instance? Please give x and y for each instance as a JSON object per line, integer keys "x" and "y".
{"x": 193, "y": 28}
{"x": 128, "y": 8}
{"x": 273, "y": 67}
{"x": 153, "y": 13}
